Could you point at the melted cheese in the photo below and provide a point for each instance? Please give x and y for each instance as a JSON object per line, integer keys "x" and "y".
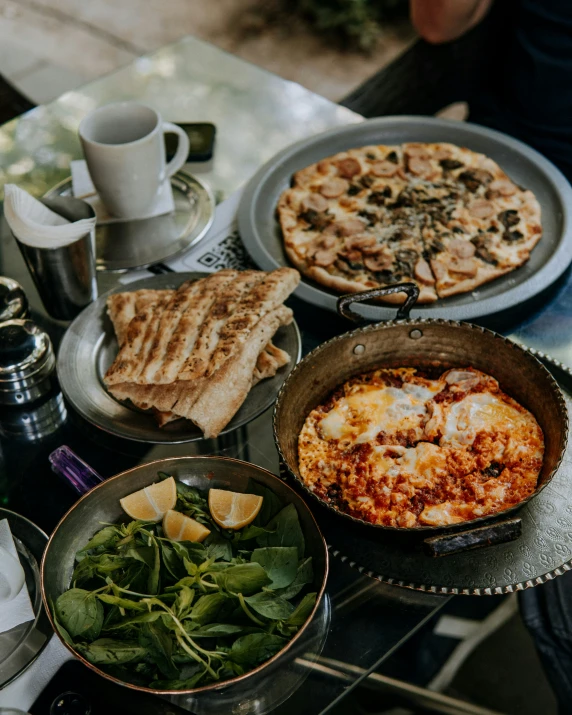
{"x": 361, "y": 416}
{"x": 476, "y": 413}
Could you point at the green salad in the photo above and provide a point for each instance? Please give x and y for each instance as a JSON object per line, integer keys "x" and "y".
{"x": 177, "y": 615}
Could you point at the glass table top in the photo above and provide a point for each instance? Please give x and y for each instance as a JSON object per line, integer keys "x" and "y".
{"x": 256, "y": 115}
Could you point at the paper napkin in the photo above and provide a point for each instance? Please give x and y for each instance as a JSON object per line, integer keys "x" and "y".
{"x": 19, "y": 609}
{"x": 83, "y": 188}
{"x": 36, "y": 225}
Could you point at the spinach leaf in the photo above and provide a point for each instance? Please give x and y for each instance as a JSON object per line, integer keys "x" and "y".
{"x": 196, "y": 553}
{"x": 218, "y": 547}
{"x": 279, "y": 562}
{"x": 171, "y": 561}
{"x": 61, "y": 630}
{"x": 271, "y": 504}
{"x": 80, "y": 613}
{"x": 159, "y": 647}
{"x": 270, "y": 605}
{"x": 255, "y": 648}
{"x": 106, "y": 537}
{"x": 250, "y": 532}
{"x": 147, "y": 617}
{"x": 108, "y": 651}
{"x": 155, "y": 572}
{"x": 183, "y": 602}
{"x": 186, "y": 684}
{"x": 303, "y": 610}
{"x": 286, "y": 531}
{"x": 215, "y": 630}
{"x": 244, "y": 578}
{"x": 304, "y": 575}
{"x": 121, "y": 602}
{"x": 208, "y": 607}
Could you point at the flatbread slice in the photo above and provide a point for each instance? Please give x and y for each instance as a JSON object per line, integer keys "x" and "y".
{"x": 123, "y": 307}
{"x": 228, "y": 387}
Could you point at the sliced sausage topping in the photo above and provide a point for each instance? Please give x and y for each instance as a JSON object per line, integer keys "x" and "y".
{"x": 383, "y": 168}
{"x": 325, "y": 257}
{"x": 461, "y": 248}
{"x": 473, "y": 178}
{"x": 334, "y": 187}
{"x": 504, "y": 187}
{"x": 350, "y": 226}
{"x": 419, "y": 166}
{"x": 464, "y": 266}
{"x": 423, "y": 272}
{"x": 314, "y": 202}
{"x": 481, "y": 208}
{"x": 348, "y": 168}
{"x": 378, "y": 262}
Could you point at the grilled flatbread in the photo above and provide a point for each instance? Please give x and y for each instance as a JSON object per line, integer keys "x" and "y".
{"x": 180, "y": 341}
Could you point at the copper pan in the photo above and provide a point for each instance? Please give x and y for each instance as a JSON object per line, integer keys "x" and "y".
{"x": 101, "y": 505}
{"x": 423, "y": 343}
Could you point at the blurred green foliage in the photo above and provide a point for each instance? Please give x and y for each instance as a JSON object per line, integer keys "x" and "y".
{"x": 357, "y": 22}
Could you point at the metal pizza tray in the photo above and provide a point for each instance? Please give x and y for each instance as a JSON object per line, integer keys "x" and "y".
{"x": 540, "y": 554}
{"x": 89, "y": 347}
{"x": 260, "y": 231}
{"x": 137, "y": 243}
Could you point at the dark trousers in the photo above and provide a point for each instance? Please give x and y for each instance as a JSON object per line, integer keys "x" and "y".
{"x": 547, "y": 613}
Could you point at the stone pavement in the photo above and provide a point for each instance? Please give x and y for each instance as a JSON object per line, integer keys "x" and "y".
{"x": 50, "y": 46}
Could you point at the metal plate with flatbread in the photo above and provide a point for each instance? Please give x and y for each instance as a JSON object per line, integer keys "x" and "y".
{"x": 89, "y": 347}
{"x": 260, "y": 231}
{"x": 127, "y": 245}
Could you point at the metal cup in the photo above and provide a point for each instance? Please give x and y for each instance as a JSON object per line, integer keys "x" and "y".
{"x": 65, "y": 277}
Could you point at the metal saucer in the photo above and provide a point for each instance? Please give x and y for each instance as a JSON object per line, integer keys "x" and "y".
{"x": 89, "y": 347}
{"x": 127, "y": 245}
{"x": 20, "y": 646}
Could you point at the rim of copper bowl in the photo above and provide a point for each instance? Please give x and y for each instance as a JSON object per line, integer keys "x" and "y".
{"x": 210, "y": 686}
{"x": 373, "y": 327}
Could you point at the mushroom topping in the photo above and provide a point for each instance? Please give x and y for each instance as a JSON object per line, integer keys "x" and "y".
{"x": 314, "y": 202}
{"x": 348, "y": 168}
{"x": 423, "y": 272}
{"x": 316, "y": 220}
{"x": 509, "y": 218}
{"x": 465, "y": 266}
{"x": 461, "y": 248}
{"x": 334, "y": 187}
{"x": 473, "y": 178}
{"x": 481, "y": 208}
{"x": 392, "y": 157}
{"x": 504, "y": 187}
{"x": 450, "y": 164}
{"x": 383, "y": 168}
{"x": 419, "y": 166}
{"x": 324, "y": 257}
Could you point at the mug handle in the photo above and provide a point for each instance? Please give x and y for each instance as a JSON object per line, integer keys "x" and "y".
{"x": 12, "y": 572}
{"x": 182, "y": 149}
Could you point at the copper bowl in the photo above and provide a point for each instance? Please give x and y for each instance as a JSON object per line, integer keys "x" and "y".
{"x": 424, "y": 343}
{"x": 101, "y": 504}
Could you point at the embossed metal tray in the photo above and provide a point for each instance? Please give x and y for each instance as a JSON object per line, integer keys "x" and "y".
{"x": 543, "y": 552}
{"x": 260, "y": 231}
{"x": 89, "y": 347}
{"x": 138, "y": 243}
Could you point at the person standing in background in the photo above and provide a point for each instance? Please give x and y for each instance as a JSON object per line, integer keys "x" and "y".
{"x": 529, "y": 95}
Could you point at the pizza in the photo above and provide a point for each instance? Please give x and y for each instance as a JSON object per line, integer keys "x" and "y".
{"x": 445, "y": 217}
{"x": 401, "y": 448}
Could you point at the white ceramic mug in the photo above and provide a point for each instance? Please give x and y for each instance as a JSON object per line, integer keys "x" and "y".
{"x": 124, "y": 149}
{"x": 12, "y": 576}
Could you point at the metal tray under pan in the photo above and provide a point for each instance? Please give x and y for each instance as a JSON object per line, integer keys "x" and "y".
{"x": 261, "y": 234}
{"x": 540, "y": 554}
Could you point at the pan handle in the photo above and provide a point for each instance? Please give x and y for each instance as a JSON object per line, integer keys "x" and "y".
{"x": 490, "y": 535}
{"x": 66, "y": 464}
{"x": 410, "y": 289}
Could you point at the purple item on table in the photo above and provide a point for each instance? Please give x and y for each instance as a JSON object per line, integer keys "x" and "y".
{"x": 74, "y": 470}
